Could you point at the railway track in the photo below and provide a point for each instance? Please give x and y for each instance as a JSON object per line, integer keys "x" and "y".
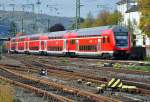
{"x": 32, "y": 63}
{"x": 45, "y": 59}
{"x": 64, "y": 93}
{"x": 88, "y": 78}
{"x": 36, "y": 65}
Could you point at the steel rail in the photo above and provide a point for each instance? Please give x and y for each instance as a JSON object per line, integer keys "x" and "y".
{"x": 97, "y": 98}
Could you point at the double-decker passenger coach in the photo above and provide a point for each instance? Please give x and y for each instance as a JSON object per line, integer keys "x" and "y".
{"x": 102, "y": 42}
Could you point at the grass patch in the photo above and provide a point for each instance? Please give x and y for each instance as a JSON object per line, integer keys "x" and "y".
{"x": 147, "y": 59}
{"x": 6, "y": 93}
{"x": 140, "y": 68}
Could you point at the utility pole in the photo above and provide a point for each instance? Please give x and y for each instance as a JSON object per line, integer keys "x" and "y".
{"x": 32, "y": 10}
{"x": 77, "y": 14}
{"x": 37, "y": 17}
{"x": 48, "y": 25}
{"x": 22, "y": 19}
{"x": 13, "y": 22}
{"x": 50, "y": 7}
{"x": 13, "y": 8}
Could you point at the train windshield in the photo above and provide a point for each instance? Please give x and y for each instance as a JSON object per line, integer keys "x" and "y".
{"x": 121, "y": 39}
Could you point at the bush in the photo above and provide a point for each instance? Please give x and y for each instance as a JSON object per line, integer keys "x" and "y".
{"x": 117, "y": 66}
{"x": 6, "y": 93}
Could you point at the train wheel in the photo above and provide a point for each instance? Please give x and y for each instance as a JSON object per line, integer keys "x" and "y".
{"x": 70, "y": 54}
{"x": 106, "y": 56}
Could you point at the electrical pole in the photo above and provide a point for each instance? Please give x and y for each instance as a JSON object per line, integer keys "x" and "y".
{"x": 77, "y": 14}
{"x": 22, "y": 19}
{"x": 13, "y": 8}
{"x": 13, "y": 22}
{"x": 32, "y": 10}
{"x": 48, "y": 25}
{"x": 50, "y": 7}
{"x": 37, "y": 17}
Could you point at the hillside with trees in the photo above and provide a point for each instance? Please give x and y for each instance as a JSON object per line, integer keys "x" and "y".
{"x": 30, "y": 23}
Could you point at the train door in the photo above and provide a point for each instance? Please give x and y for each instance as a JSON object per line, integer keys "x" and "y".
{"x": 77, "y": 45}
{"x": 43, "y": 45}
{"x": 71, "y": 47}
{"x": 103, "y": 44}
{"x": 99, "y": 45}
{"x": 65, "y": 45}
{"x": 26, "y": 45}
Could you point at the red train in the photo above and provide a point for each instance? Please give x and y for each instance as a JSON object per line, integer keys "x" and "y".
{"x": 105, "y": 42}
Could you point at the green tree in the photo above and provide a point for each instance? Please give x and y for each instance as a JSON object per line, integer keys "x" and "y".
{"x": 56, "y": 27}
{"x": 13, "y": 28}
{"x": 73, "y": 25}
{"x": 104, "y": 18}
{"x": 88, "y": 22}
{"x": 107, "y": 18}
{"x": 114, "y": 18}
{"x": 144, "y": 6}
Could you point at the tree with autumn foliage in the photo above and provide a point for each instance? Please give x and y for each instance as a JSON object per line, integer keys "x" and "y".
{"x": 88, "y": 22}
{"x": 144, "y": 7}
{"x": 103, "y": 18}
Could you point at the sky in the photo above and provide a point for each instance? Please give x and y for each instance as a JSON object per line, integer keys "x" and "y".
{"x": 64, "y": 8}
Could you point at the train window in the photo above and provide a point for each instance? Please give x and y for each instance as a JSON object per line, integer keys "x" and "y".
{"x": 104, "y": 40}
{"x": 59, "y": 37}
{"x": 55, "y": 48}
{"x": 108, "y": 39}
{"x": 72, "y": 42}
{"x": 34, "y": 38}
{"x": 13, "y": 40}
{"x": 21, "y": 39}
{"x": 34, "y": 48}
{"x": 88, "y": 48}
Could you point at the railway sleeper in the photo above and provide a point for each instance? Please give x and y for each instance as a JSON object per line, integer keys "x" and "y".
{"x": 37, "y": 91}
{"x": 89, "y": 96}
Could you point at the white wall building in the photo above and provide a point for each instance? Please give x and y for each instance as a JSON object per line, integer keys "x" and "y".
{"x": 129, "y": 11}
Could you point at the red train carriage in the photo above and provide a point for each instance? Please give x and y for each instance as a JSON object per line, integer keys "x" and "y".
{"x": 37, "y": 43}
{"x": 106, "y": 41}
{"x": 56, "y": 44}
{"x": 13, "y": 45}
{"x": 70, "y": 43}
{"x": 103, "y": 41}
{"x": 26, "y": 44}
{"x": 21, "y": 44}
